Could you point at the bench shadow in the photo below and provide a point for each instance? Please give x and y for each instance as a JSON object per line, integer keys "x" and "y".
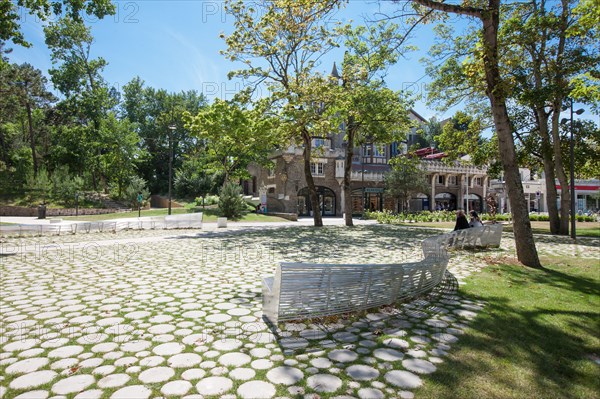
{"x": 321, "y": 335}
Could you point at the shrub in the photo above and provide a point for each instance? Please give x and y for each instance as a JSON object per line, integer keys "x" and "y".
{"x": 39, "y": 187}
{"x": 208, "y": 200}
{"x": 231, "y": 203}
{"x": 65, "y": 186}
{"x": 136, "y": 185}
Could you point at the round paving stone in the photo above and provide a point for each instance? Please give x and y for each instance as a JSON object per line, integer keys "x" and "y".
{"x": 161, "y": 329}
{"x": 171, "y": 348}
{"x": 396, "y": 343}
{"x": 113, "y": 381}
{"x": 20, "y": 345}
{"x": 260, "y": 352}
{"x": 293, "y": 343}
{"x": 214, "y": 386}
{"x": 445, "y": 338}
{"x": 104, "y": 370}
{"x": 27, "y": 366}
{"x": 136, "y": 346}
{"x": 89, "y": 363}
{"x": 313, "y": 334}
{"x": 193, "y": 374}
{"x": 156, "y": 374}
{"x": 184, "y": 360}
{"x": 324, "y": 382}
{"x": 218, "y": 318}
{"x": 321, "y": 362}
{"x": 234, "y": 359}
{"x": 32, "y": 380}
{"x": 342, "y": 355}
{"x": 361, "y": 372}
{"x": 91, "y": 394}
{"x": 31, "y": 395}
{"x": 73, "y": 384}
{"x": 105, "y": 347}
{"x": 403, "y": 379}
{"x": 242, "y": 373}
{"x": 370, "y": 393}
{"x": 389, "y": 355}
{"x": 256, "y": 390}
{"x": 226, "y": 345}
{"x": 31, "y": 352}
{"x": 261, "y": 364}
{"x": 285, "y": 375}
{"x": 419, "y": 366}
{"x": 132, "y": 392}
{"x": 176, "y": 388}
{"x": 66, "y": 351}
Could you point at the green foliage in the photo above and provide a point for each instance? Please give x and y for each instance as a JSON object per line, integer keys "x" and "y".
{"x": 233, "y": 136}
{"x": 38, "y": 187}
{"x": 231, "y": 203}
{"x": 136, "y": 185}
{"x": 207, "y": 201}
{"x": 11, "y": 14}
{"x": 65, "y": 186}
{"x": 388, "y": 217}
{"x": 405, "y": 179}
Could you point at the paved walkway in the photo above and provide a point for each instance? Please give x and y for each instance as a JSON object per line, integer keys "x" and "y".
{"x": 142, "y": 314}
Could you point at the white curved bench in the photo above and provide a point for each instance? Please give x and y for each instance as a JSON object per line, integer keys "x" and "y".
{"x": 304, "y": 290}
{"x": 488, "y": 235}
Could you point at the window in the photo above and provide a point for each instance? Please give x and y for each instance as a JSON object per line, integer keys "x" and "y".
{"x": 478, "y": 181}
{"x": 321, "y": 142}
{"x": 440, "y": 179}
{"x": 368, "y": 151}
{"x": 452, "y": 180}
{"x": 316, "y": 168}
{"x": 271, "y": 190}
{"x": 271, "y": 173}
{"x": 380, "y": 151}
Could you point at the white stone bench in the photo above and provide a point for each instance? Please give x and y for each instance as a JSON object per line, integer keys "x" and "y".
{"x": 304, "y": 290}
{"x": 184, "y": 221}
{"x": 488, "y": 235}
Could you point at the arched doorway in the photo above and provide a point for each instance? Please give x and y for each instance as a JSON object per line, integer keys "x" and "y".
{"x": 475, "y": 203}
{"x": 326, "y": 198}
{"x": 445, "y": 202}
{"x": 419, "y": 202}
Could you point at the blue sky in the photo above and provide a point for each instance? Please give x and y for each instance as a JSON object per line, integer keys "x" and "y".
{"x": 174, "y": 45}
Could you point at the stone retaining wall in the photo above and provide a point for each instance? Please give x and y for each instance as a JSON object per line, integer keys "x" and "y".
{"x": 26, "y": 211}
{"x": 289, "y": 216}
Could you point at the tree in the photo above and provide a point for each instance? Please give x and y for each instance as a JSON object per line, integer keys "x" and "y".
{"x": 31, "y": 92}
{"x": 231, "y": 203}
{"x": 367, "y": 109}
{"x": 88, "y": 97}
{"x": 232, "y": 137}
{"x": 405, "y": 179}
{"x": 10, "y": 15}
{"x": 279, "y": 44}
{"x": 152, "y": 111}
{"x": 489, "y": 16}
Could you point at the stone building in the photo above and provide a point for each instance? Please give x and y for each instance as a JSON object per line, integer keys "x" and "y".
{"x": 284, "y": 188}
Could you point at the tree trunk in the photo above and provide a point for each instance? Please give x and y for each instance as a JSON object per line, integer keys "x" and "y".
{"x": 348, "y": 175}
{"x": 312, "y": 191}
{"x": 547, "y": 158}
{"x": 525, "y": 245}
{"x": 32, "y": 139}
{"x": 565, "y": 198}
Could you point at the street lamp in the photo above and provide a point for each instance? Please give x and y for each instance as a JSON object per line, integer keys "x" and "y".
{"x": 171, "y": 128}
{"x": 572, "y": 169}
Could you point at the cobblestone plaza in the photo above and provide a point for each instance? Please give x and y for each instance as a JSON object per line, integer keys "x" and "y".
{"x": 147, "y": 314}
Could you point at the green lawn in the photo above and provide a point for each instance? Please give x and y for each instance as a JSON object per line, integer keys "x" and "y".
{"x": 537, "y": 337}
{"x": 584, "y": 229}
{"x": 209, "y": 215}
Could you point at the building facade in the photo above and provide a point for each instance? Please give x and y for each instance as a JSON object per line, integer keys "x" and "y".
{"x": 284, "y": 188}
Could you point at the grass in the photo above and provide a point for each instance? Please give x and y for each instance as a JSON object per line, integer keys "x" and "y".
{"x": 584, "y": 229}
{"x": 537, "y": 337}
{"x": 209, "y": 215}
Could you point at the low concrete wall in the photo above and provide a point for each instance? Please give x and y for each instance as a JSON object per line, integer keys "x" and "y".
{"x": 26, "y": 211}
{"x": 158, "y": 201}
{"x": 289, "y": 216}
